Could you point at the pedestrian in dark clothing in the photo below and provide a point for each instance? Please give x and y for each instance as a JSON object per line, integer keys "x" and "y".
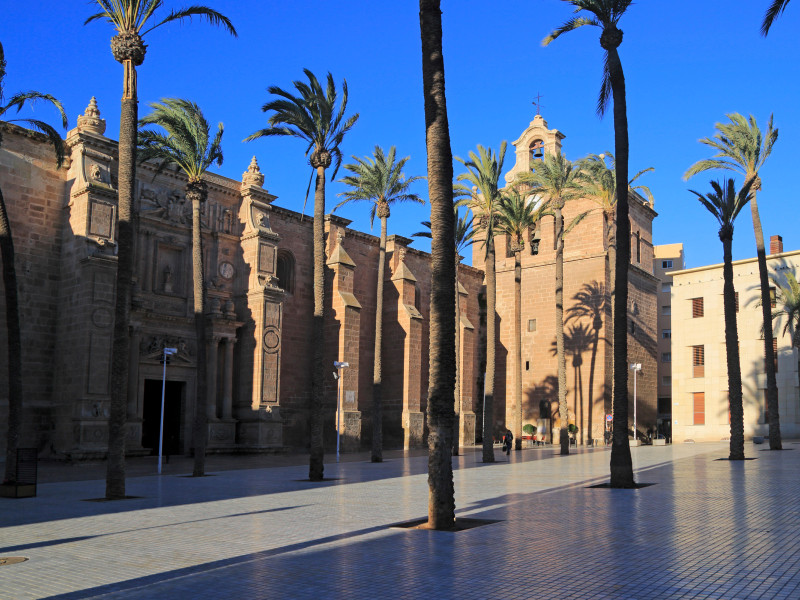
{"x": 508, "y": 440}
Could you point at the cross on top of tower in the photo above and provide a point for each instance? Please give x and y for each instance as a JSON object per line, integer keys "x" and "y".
{"x": 538, "y": 103}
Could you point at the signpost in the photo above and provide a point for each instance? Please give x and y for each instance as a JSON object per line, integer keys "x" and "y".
{"x": 635, "y": 367}
{"x": 165, "y": 359}
{"x": 337, "y": 375}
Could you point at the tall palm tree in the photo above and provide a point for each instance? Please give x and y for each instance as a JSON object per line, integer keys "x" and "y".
{"x": 382, "y": 182}
{"x": 558, "y": 181}
{"x": 14, "y": 340}
{"x": 316, "y": 116}
{"x": 464, "y": 237}
{"x": 483, "y": 172}
{"x": 741, "y": 146}
{"x": 188, "y": 145}
{"x": 725, "y": 203}
{"x": 132, "y": 20}
{"x": 775, "y": 9}
{"x": 606, "y": 15}
{"x": 516, "y": 215}
{"x": 441, "y": 498}
{"x": 788, "y": 298}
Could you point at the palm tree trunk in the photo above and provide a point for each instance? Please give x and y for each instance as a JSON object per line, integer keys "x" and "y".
{"x": 377, "y": 400}
{"x": 14, "y": 344}
{"x": 491, "y": 341}
{"x": 732, "y": 353}
{"x": 518, "y": 350}
{"x": 621, "y": 464}
{"x": 316, "y": 467}
{"x": 441, "y": 499}
{"x": 563, "y": 413}
{"x": 457, "y": 392}
{"x": 198, "y": 284}
{"x": 120, "y": 351}
{"x": 766, "y": 311}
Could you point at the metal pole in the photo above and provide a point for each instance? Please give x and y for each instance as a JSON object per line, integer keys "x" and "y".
{"x": 161, "y": 427}
{"x": 635, "y": 371}
{"x": 338, "y": 414}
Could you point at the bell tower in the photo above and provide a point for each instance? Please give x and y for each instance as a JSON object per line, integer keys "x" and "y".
{"x": 536, "y": 141}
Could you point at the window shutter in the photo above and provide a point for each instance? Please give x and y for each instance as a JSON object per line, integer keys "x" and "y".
{"x": 697, "y": 308}
{"x": 699, "y": 408}
{"x": 698, "y": 361}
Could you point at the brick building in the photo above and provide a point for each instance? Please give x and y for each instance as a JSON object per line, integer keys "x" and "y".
{"x": 587, "y": 312}
{"x": 258, "y": 269}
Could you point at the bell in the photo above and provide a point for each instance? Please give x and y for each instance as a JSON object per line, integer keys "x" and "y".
{"x": 538, "y": 152}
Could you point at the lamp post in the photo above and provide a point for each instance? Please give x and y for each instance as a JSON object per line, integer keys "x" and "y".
{"x": 165, "y": 359}
{"x": 338, "y": 376}
{"x": 635, "y": 367}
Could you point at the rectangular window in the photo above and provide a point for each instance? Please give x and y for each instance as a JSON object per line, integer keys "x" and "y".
{"x": 697, "y": 308}
{"x": 698, "y": 361}
{"x": 666, "y": 287}
{"x": 666, "y": 357}
{"x": 666, "y": 334}
{"x": 666, "y": 380}
{"x": 666, "y": 310}
{"x": 531, "y": 324}
{"x": 665, "y": 406}
{"x": 699, "y": 408}
{"x": 773, "y": 300}
{"x": 666, "y": 264}
{"x": 736, "y": 300}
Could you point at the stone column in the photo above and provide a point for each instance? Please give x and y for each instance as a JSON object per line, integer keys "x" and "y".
{"x": 227, "y": 380}
{"x": 211, "y": 377}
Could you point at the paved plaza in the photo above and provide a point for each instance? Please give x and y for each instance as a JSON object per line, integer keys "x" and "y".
{"x": 706, "y": 528}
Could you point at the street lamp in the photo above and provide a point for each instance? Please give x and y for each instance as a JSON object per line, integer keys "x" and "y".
{"x": 167, "y": 353}
{"x": 635, "y": 367}
{"x": 338, "y": 377}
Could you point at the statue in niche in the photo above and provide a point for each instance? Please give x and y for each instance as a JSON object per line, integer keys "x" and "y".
{"x": 167, "y": 285}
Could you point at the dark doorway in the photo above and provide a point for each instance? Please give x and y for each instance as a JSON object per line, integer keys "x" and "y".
{"x": 151, "y": 418}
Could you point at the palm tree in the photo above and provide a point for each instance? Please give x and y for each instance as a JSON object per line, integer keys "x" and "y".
{"x": 741, "y": 146}
{"x": 464, "y": 234}
{"x": 313, "y": 116}
{"x": 483, "y": 172}
{"x": 188, "y": 145}
{"x": 606, "y": 14}
{"x": 558, "y": 181}
{"x": 775, "y": 9}
{"x": 441, "y": 498}
{"x": 725, "y": 203}
{"x": 382, "y": 182}
{"x": 788, "y": 297}
{"x": 14, "y": 341}
{"x": 132, "y": 19}
{"x": 515, "y": 216}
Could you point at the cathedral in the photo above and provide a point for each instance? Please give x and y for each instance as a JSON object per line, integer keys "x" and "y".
{"x": 258, "y": 273}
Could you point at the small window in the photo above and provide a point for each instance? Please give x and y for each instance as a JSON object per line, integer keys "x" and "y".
{"x": 666, "y": 380}
{"x": 666, "y": 334}
{"x": 666, "y": 310}
{"x": 665, "y": 405}
{"x": 666, "y": 357}
{"x": 531, "y": 324}
{"x": 773, "y": 300}
{"x": 666, "y": 287}
{"x": 699, "y": 399}
{"x": 638, "y": 247}
{"x": 697, "y": 308}
{"x": 285, "y": 271}
{"x": 633, "y": 327}
{"x": 736, "y": 300}
{"x": 666, "y": 264}
{"x": 535, "y": 237}
{"x": 698, "y": 361}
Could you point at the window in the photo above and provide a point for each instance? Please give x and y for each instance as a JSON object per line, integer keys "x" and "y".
{"x": 665, "y": 405}
{"x": 699, "y": 399}
{"x": 773, "y": 300}
{"x": 666, "y": 357}
{"x": 531, "y": 324}
{"x": 666, "y": 287}
{"x": 666, "y": 264}
{"x": 666, "y": 310}
{"x": 535, "y": 237}
{"x": 666, "y": 334}
{"x": 638, "y": 247}
{"x": 666, "y": 380}
{"x": 698, "y": 361}
{"x": 697, "y": 308}
{"x": 633, "y": 326}
{"x": 285, "y": 271}
{"x": 736, "y": 300}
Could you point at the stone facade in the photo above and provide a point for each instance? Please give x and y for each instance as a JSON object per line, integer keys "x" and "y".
{"x": 587, "y": 312}
{"x": 258, "y": 269}
{"x": 700, "y": 391}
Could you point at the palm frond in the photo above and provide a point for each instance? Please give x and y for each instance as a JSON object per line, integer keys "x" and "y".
{"x": 773, "y": 12}
{"x": 212, "y": 16}
{"x": 20, "y": 99}
{"x": 566, "y": 27}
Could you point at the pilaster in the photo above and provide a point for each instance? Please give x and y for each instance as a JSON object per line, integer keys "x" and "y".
{"x": 465, "y": 410}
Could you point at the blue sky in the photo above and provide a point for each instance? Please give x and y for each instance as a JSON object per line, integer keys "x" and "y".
{"x": 687, "y": 64}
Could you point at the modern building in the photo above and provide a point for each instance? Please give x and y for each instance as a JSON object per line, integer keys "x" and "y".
{"x": 667, "y": 258}
{"x": 587, "y": 311}
{"x": 699, "y": 366}
{"x": 258, "y": 273}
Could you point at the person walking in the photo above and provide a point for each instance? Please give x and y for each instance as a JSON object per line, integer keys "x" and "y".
{"x": 508, "y": 441}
